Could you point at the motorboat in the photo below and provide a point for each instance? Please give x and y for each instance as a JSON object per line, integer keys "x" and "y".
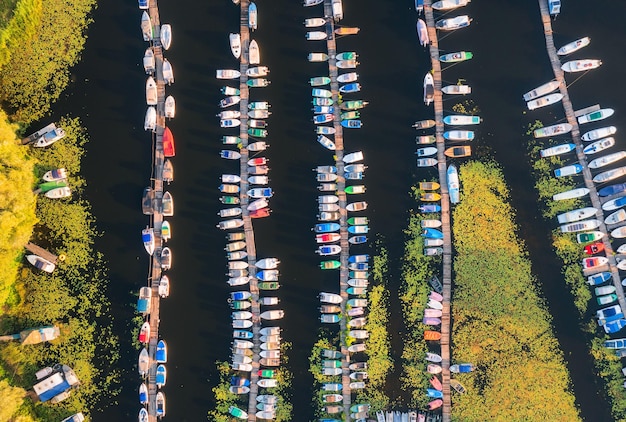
{"x": 326, "y": 142}
{"x": 350, "y": 88}
{"x": 147, "y": 237}
{"x": 57, "y": 193}
{"x": 599, "y": 278}
{"x": 225, "y": 123}
{"x": 229, "y": 90}
{"x": 170, "y": 107}
{"x": 571, "y": 194}
{"x": 573, "y": 46}
{"x": 143, "y": 393}
{"x": 227, "y": 74}
{"x": 353, "y": 157}
{"x": 149, "y": 63}
{"x": 316, "y": 35}
{"x": 326, "y": 227}
{"x": 458, "y": 152}
{"x": 568, "y": 170}
{"x": 459, "y": 56}
{"x": 424, "y": 124}
{"x": 614, "y": 204}
{"x": 445, "y": 5}
{"x": 40, "y": 263}
{"x": 431, "y": 197}
{"x": 254, "y": 55}
{"x": 577, "y": 215}
{"x": 319, "y": 81}
{"x": 329, "y": 250}
{"x": 429, "y": 89}
{"x": 308, "y": 3}
{"x": 55, "y": 175}
{"x": 554, "y": 130}
{"x": 598, "y": 146}
{"x": 595, "y": 116}
{"x": 258, "y": 71}
{"x": 322, "y": 118}
{"x": 580, "y": 226}
{"x": 554, "y": 7}
{"x": 314, "y": 22}
{"x": 272, "y": 315}
{"x": 451, "y": 24}
{"x": 258, "y": 146}
{"x": 151, "y": 91}
{"x": 320, "y": 101}
{"x": 581, "y": 65}
{"x": 165, "y": 258}
{"x": 422, "y": 32}
{"x": 168, "y": 72}
{"x": 557, "y": 150}
{"x": 166, "y": 35}
{"x": 356, "y": 206}
{"x": 144, "y": 333}
{"x": 544, "y": 101}
{"x": 318, "y": 57}
{"x": 345, "y": 30}
{"x": 164, "y": 286}
{"x": 607, "y": 159}
{"x": 259, "y": 114}
{"x": 602, "y": 132}
{"x": 348, "y": 55}
{"x": 150, "y": 119}
{"x": 146, "y": 26}
{"x": 230, "y": 155}
{"x": 327, "y": 187}
{"x": 252, "y": 16}
{"x": 615, "y": 218}
{"x": 258, "y": 204}
{"x": 355, "y": 189}
{"x": 230, "y": 101}
{"x": 347, "y": 64}
{"x": 541, "y": 90}
{"x": 351, "y": 124}
{"x": 461, "y": 120}
{"x": 592, "y": 262}
{"x": 609, "y": 175}
{"x": 457, "y": 89}
{"x": 348, "y": 77}
{"x": 143, "y": 5}
{"x": 459, "y": 135}
{"x": 612, "y": 190}
{"x": 258, "y": 83}
{"x": 235, "y": 44}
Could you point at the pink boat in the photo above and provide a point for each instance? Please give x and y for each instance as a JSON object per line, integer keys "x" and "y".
{"x": 356, "y": 312}
{"x": 433, "y": 369}
{"x": 431, "y": 321}
{"x": 435, "y": 404}
{"x": 435, "y": 296}
{"x": 432, "y": 313}
{"x": 434, "y": 381}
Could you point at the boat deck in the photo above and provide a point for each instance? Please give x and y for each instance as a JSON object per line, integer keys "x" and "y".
{"x": 570, "y": 115}
{"x": 445, "y": 212}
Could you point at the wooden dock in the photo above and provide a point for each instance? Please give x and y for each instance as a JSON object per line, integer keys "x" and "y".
{"x": 570, "y": 114}
{"x": 331, "y": 45}
{"x": 38, "y": 250}
{"x": 445, "y": 212}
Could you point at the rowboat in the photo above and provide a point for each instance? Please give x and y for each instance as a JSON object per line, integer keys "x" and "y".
{"x": 452, "y": 180}
{"x": 433, "y": 357}
{"x": 143, "y": 393}
{"x": 422, "y": 32}
{"x": 577, "y": 215}
{"x": 554, "y": 130}
{"x": 456, "y": 89}
{"x": 430, "y": 196}
{"x": 318, "y": 57}
{"x": 432, "y": 335}
{"x": 596, "y": 115}
{"x": 459, "y": 120}
{"x": 573, "y": 46}
{"x": 544, "y": 101}
{"x": 319, "y": 101}
{"x": 143, "y": 362}
{"x": 353, "y": 157}
{"x": 326, "y": 142}
{"x": 557, "y": 150}
{"x": 600, "y": 145}
{"x": 40, "y": 263}
{"x": 616, "y": 217}
{"x": 425, "y": 140}
{"x": 607, "y": 159}
{"x": 614, "y": 204}
{"x": 227, "y": 74}
{"x": 429, "y": 89}
{"x": 316, "y": 35}
{"x": 428, "y": 185}
{"x": 424, "y": 124}
{"x": 425, "y": 152}
{"x": 47, "y": 186}
{"x": 168, "y": 72}
{"x": 589, "y": 236}
{"x": 451, "y": 24}
{"x": 347, "y": 64}
{"x": 607, "y": 299}
{"x": 542, "y": 90}
{"x": 149, "y": 63}
{"x": 326, "y": 228}
{"x": 612, "y": 190}
{"x": 146, "y": 26}
{"x": 458, "y": 152}
{"x": 150, "y": 119}
{"x": 319, "y": 81}
{"x": 459, "y": 56}
{"x": 238, "y": 413}
{"x": 429, "y": 208}
{"x": 580, "y": 226}
{"x": 347, "y": 30}
{"x": 56, "y": 193}
{"x": 314, "y": 22}
{"x": 252, "y": 16}
{"x": 330, "y": 265}
{"x": 432, "y": 233}
{"x": 581, "y": 65}
{"x": 459, "y": 135}
{"x": 328, "y": 250}
{"x": 602, "y": 132}
{"x": 609, "y": 175}
{"x": 257, "y": 72}
{"x": 166, "y": 35}
{"x": 143, "y": 5}
{"x": 322, "y": 118}
{"x": 357, "y": 240}
{"x": 568, "y": 170}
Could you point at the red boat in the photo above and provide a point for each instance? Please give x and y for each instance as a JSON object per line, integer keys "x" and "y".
{"x": 168, "y": 143}
{"x": 144, "y": 333}
{"x": 594, "y": 248}
{"x": 263, "y": 212}
{"x": 327, "y": 237}
{"x": 432, "y": 335}
{"x": 435, "y": 404}
{"x": 434, "y": 381}
{"x": 259, "y": 161}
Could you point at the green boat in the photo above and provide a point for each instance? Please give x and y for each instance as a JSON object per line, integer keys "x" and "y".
{"x": 269, "y": 285}
{"x": 356, "y": 290}
{"x": 330, "y": 265}
{"x": 350, "y": 55}
{"x": 229, "y": 200}
{"x": 459, "y": 56}
{"x": 257, "y": 133}
{"x": 358, "y": 221}
{"x": 331, "y": 363}
{"x": 267, "y": 373}
{"x": 48, "y": 186}
{"x": 319, "y": 81}
{"x": 237, "y": 412}
{"x": 240, "y": 304}
{"x": 353, "y": 105}
{"x": 350, "y": 115}
{"x": 352, "y": 190}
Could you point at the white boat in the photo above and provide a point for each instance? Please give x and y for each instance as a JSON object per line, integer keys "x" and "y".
{"x": 456, "y": 89}
{"x": 422, "y": 32}
{"x": 326, "y": 142}
{"x": 557, "y": 150}
{"x": 571, "y": 194}
{"x": 554, "y": 130}
{"x": 147, "y": 237}
{"x": 602, "y": 132}
{"x": 607, "y": 159}
{"x": 40, "y": 263}
{"x": 452, "y": 179}
{"x": 542, "y": 90}
{"x": 267, "y": 383}
{"x": 149, "y": 122}
{"x": 573, "y": 46}
{"x": 256, "y": 72}
{"x": 616, "y": 217}
{"x": 230, "y": 123}
{"x": 267, "y": 263}
{"x": 580, "y": 226}
{"x": 230, "y": 212}
{"x": 55, "y": 175}
{"x": 307, "y": 3}
{"x": 426, "y": 152}
{"x": 426, "y": 162}
{"x": 614, "y": 204}
{"x": 170, "y": 107}
{"x": 619, "y": 233}
{"x": 544, "y": 101}
{"x": 461, "y": 120}
{"x": 568, "y": 170}
{"x": 272, "y": 315}
{"x": 598, "y": 146}
{"x": 316, "y": 35}
{"x": 254, "y": 56}
{"x": 230, "y": 224}
{"x": 235, "y": 44}
{"x": 347, "y": 64}
{"x": 146, "y": 26}
{"x": 429, "y": 89}
{"x": 258, "y": 180}
{"x": 449, "y": 4}
{"x": 314, "y": 22}
{"x": 253, "y": 21}
{"x": 164, "y": 286}
{"x": 609, "y": 175}
{"x": 330, "y": 298}
{"x": 318, "y": 57}
{"x": 166, "y": 35}
{"x": 595, "y": 116}
{"x": 149, "y": 63}
{"x": 56, "y": 193}
{"x": 168, "y": 72}
{"x": 258, "y": 146}
{"x": 353, "y": 157}
{"x": 577, "y": 215}
{"x": 229, "y": 114}
{"x": 144, "y": 362}
{"x": 581, "y": 65}
{"x": 151, "y": 91}
{"x": 348, "y": 77}
{"x": 459, "y": 135}
{"x": 227, "y": 74}
{"x": 451, "y": 24}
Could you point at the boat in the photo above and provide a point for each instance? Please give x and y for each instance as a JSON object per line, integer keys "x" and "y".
{"x": 235, "y": 44}
{"x": 330, "y": 265}
{"x": 430, "y": 196}
{"x": 327, "y": 199}
{"x": 314, "y": 22}
{"x": 347, "y": 64}
{"x": 150, "y": 119}
{"x": 459, "y": 135}
{"x": 429, "y": 89}
{"x": 573, "y": 46}
{"x": 542, "y": 90}
{"x": 308, "y": 3}
{"x": 614, "y": 204}
{"x": 229, "y": 90}
{"x": 459, "y": 120}
{"x": 348, "y": 77}
{"x": 355, "y": 189}
{"x": 557, "y": 150}
{"x": 589, "y": 236}
{"x": 347, "y": 30}
{"x": 614, "y": 326}
{"x": 329, "y": 250}
{"x": 426, "y": 162}
{"x": 568, "y": 170}
{"x": 350, "y": 88}
{"x": 258, "y": 133}
{"x": 436, "y": 284}
{"x": 252, "y": 16}
{"x": 554, "y": 7}
{"x": 237, "y": 412}
{"x": 322, "y": 118}
{"x": 327, "y": 237}
{"x": 260, "y": 193}
{"x": 356, "y": 206}
{"x": 168, "y": 72}
{"x": 352, "y": 124}
{"x": 430, "y": 223}
{"x": 254, "y": 55}
{"x": 571, "y": 194}
{"x": 327, "y": 187}
{"x": 144, "y": 333}
{"x": 56, "y": 193}
{"x": 256, "y": 72}
{"x": 55, "y": 175}
{"x": 358, "y": 230}
{"x": 544, "y": 101}
{"x": 170, "y": 107}
{"x": 320, "y": 101}
{"x": 595, "y": 261}
{"x": 318, "y": 57}
{"x": 458, "y": 89}
{"x": 353, "y": 157}
{"x": 599, "y": 278}
{"x": 353, "y": 176}
{"x": 40, "y": 263}
{"x": 609, "y": 175}
{"x": 357, "y": 240}
{"x": 607, "y": 159}
{"x": 435, "y": 404}
{"x": 606, "y": 299}
{"x": 603, "y": 132}
{"x": 422, "y": 33}
{"x": 356, "y": 348}
{"x": 433, "y": 393}
{"x": 229, "y": 101}
{"x": 445, "y": 5}
{"x": 161, "y": 376}
{"x": 147, "y": 237}
{"x": 326, "y": 142}
{"x": 425, "y": 139}
{"x": 227, "y": 74}
{"x": 143, "y": 362}
{"x": 164, "y": 286}
{"x": 146, "y": 26}
{"x": 433, "y": 357}
{"x": 459, "y": 56}
{"x": 326, "y": 227}
{"x": 259, "y": 114}
{"x": 166, "y": 35}
{"x": 432, "y": 335}
{"x": 612, "y": 190}
{"x": 618, "y": 343}
{"x": 143, "y": 393}
{"x": 316, "y": 35}
{"x": 258, "y": 180}
{"x": 319, "y": 81}
{"x": 451, "y": 24}
{"x": 258, "y": 83}
{"x": 580, "y": 226}
{"x": 461, "y": 368}
{"x": 268, "y": 275}
{"x": 595, "y": 116}
{"x": 143, "y": 5}
{"x": 581, "y": 65}
{"x": 458, "y": 152}
{"x": 598, "y": 146}
{"x": 452, "y": 181}
{"x": 429, "y": 208}
{"x": 554, "y": 130}
{"x": 577, "y": 215}
{"x": 166, "y": 258}
{"x": 149, "y": 63}
{"x": 619, "y": 233}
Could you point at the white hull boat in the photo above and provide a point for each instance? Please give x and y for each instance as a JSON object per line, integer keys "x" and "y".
{"x": 444, "y": 5}
{"x": 235, "y": 44}
{"x": 577, "y": 215}
{"x": 150, "y": 120}
{"x": 149, "y": 63}
{"x": 151, "y": 91}
{"x": 595, "y": 116}
{"x": 581, "y": 65}
{"x": 598, "y": 146}
{"x": 609, "y": 175}
{"x": 429, "y": 89}
{"x": 166, "y": 35}
{"x": 554, "y": 130}
{"x": 541, "y": 90}
{"x": 227, "y": 74}
{"x": 544, "y": 101}
{"x": 557, "y": 150}
{"x": 170, "y": 107}
{"x": 422, "y": 32}
{"x": 602, "y": 132}
{"x": 168, "y": 72}
{"x": 580, "y": 226}
{"x": 607, "y": 159}
{"x": 254, "y": 55}
{"x": 571, "y": 194}
{"x": 616, "y": 217}
{"x": 457, "y": 89}
{"x": 314, "y": 22}
{"x": 573, "y": 46}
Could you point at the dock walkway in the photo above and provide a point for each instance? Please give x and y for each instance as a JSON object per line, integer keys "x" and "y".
{"x": 575, "y": 133}
{"x": 445, "y": 212}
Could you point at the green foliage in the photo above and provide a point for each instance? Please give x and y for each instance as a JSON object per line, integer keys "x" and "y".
{"x": 500, "y": 323}
{"x": 18, "y": 23}
{"x": 39, "y": 69}
{"x": 10, "y": 399}
{"x": 466, "y": 107}
{"x": 325, "y": 341}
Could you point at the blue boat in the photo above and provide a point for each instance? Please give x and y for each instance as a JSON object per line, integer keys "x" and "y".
{"x": 436, "y": 394}
{"x": 143, "y": 4}
{"x": 359, "y": 266}
{"x": 610, "y": 319}
{"x": 328, "y": 250}
{"x": 430, "y": 208}
{"x": 352, "y": 87}
{"x": 599, "y": 278}
{"x": 419, "y": 6}
{"x": 618, "y": 343}
{"x": 612, "y": 190}
{"x": 323, "y": 109}
{"x": 358, "y": 229}
{"x": 326, "y": 227}
{"x": 240, "y": 381}
{"x": 354, "y": 274}
{"x": 358, "y": 258}
{"x": 241, "y": 295}
{"x": 568, "y": 170}
{"x": 242, "y": 334}
{"x": 230, "y": 155}
{"x": 356, "y": 290}
{"x": 614, "y": 326}
{"x": 143, "y": 393}
{"x": 161, "y": 352}
{"x": 351, "y": 124}
{"x": 161, "y": 376}
{"x": 554, "y": 6}
{"x": 432, "y": 233}
{"x": 267, "y": 275}
{"x": 357, "y": 240}
{"x": 453, "y": 184}
{"x": 462, "y": 368}
{"x": 353, "y": 176}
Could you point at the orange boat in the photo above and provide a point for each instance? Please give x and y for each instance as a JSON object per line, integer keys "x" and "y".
{"x": 168, "y": 143}
{"x": 432, "y": 335}
{"x": 263, "y": 212}
{"x": 347, "y": 31}
{"x": 594, "y": 248}
{"x": 434, "y": 381}
{"x": 435, "y": 404}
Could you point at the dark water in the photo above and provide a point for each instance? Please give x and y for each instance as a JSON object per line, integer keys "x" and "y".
{"x": 108, "y": 94}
